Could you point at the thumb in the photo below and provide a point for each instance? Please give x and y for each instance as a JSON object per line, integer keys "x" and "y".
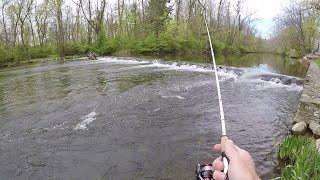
{"x": 230, "y": 150}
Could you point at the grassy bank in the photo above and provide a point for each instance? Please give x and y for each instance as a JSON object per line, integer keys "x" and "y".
{"x": 10, "y": 56}
{"x": 318, "y": 62}
{"x": 301, "y": 158}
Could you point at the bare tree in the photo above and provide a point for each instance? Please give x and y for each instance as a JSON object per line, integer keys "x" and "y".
{"x": 4, "y": 3}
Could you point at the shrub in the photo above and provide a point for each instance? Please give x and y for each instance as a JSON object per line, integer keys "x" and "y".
{"x": 6, "y": 55}
{"x": 40, "y": 52}
{"x": 76, "y": 49}
{"x": 105, "y": 48}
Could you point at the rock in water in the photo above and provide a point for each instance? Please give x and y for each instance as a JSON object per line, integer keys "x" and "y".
{"x": 92, "y": 56}
{"x": 315, "y": 128}
{"x": 299, "y": 128}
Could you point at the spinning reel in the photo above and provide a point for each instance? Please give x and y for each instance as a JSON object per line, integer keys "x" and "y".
{"x": 204, "y": 172}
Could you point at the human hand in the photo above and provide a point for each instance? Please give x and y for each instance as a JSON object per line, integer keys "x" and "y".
{"x": 241, "y": 165}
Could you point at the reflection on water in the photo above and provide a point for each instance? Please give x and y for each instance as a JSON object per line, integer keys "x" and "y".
{"x": 126, "y": 83}
{"x": 101, "y": 83}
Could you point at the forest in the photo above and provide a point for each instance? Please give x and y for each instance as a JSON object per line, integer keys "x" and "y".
{"x": 58, "y": 28}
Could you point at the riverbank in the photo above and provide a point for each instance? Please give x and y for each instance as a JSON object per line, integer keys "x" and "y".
{"x": 308, "y": 112}
{"x": 41, "y": 60}
{"x": 296, "y": 150}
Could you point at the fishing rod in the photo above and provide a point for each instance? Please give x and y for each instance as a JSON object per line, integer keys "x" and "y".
{"x": 205, "y": 171}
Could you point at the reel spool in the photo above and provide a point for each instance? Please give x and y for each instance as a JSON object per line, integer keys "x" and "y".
{"x": 204, "y": 172}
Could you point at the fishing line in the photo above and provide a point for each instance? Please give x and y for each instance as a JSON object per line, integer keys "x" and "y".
{"x": 223, "y": 125}
{"x": 205, "y": 172}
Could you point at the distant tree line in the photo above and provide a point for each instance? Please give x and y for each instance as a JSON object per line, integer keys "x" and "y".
{"x": 297, "y": 27}
{"x": 38, "y": 29}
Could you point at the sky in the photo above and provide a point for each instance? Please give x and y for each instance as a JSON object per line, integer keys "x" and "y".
{"x": 265, "y": 11}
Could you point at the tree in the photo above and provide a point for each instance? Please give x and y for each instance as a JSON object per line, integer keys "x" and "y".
{"x": 297, "y": 26}
{"x": 134, "y": 26}
{"x": 41, "y": 19}
{"x": 4, "y": 3}
{"x": 95, "y": 21}
{"x": 57, "y": 6}
{"x": 157, "y": 14}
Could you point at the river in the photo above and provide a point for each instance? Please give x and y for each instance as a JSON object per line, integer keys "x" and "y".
{"x": 130, "y": 118}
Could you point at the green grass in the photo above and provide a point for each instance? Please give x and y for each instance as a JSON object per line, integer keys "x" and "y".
{"x": 302, "y": 160}
{"x": 317, "y": 61}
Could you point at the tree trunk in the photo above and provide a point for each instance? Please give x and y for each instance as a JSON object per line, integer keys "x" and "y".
{"x": 61, "y": 47}
{"x": 4, "y": 21}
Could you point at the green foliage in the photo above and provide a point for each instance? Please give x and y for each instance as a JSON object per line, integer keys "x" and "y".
{"x": 150, "y": 26}
{"x": 297, "y": 33}
{"x": 157, "y": 15}
{"x": 6, "y": 55}
{"x": 76, "y": 49}
{"x": 21, "y": 53}
{"x": 218, "y": 46}
{"x": 105, "y": 47}
{"x": 148, "y": 45}
{"x": 175, "y": 39}
{"x": 40, "y": 52}
{"x": 302, "y": 157}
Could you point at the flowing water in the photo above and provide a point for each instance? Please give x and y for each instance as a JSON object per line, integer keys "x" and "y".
{"x": 126, "y": 118}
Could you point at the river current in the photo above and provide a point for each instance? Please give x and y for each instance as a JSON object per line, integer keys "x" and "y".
{"x": 126, "y": 118}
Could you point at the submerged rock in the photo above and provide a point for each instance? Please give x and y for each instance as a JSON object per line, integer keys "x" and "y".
{"x": 299, "y": 128}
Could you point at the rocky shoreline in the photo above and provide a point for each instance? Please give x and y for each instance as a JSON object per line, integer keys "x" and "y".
{"x": 308, "y": 112}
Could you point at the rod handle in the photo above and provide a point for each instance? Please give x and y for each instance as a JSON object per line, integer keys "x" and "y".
{"x": 225, "y": 159}
{"x": 224, "y": 139}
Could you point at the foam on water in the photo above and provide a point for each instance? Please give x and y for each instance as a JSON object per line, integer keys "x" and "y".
{"x": 262, "y": 68}
{"x": 170, "y": 97}
{"x": 86, "y": 121}
{"x": 154, "y": 63}
{"x": 226, "y": 75}
{"x": 273, "y": 83}
{"x": 120, "y": 60}
{"x": 253, "y": 74}
{"x": 175, "y": 66}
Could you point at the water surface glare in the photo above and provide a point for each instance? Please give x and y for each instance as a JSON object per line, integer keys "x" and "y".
{"x": 119, "y": 118}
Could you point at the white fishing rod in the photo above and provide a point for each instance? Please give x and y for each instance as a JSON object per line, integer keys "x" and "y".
{"x": 203, "y": 171}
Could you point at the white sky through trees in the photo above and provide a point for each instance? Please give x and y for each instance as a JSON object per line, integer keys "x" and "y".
{"x": 265, "y": 11}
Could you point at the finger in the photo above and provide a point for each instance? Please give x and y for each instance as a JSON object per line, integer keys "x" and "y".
{"x": 218, "y": 164}
{"x": 218, "y": 175}
{"x": 217, "y": 148}
{"x": 237, "y": 148}
{"x": 231, "y": 151}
